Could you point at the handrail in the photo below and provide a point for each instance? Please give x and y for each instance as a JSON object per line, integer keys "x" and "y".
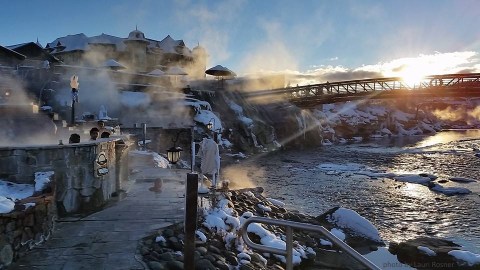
{"x": 289, "y": 241}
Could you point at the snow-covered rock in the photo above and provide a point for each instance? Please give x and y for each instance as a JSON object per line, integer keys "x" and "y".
{"x": 468, "y": 257}
{"x": 354, "y": 224}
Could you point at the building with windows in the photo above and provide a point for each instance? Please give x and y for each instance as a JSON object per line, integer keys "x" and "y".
{"x": 136, "y": 52}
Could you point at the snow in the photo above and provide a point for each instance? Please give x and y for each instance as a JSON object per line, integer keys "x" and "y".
{"x": 15, "y": 191}
{"x": 244, "y": 256}
{"x": 160, "y": 239}
{"x": 427, "y": 251}
{"x": 6, "y": 205}
{"x": 134, "y": 99}
{"x": 326, "y": 243}
{"x": 413, "y": 178}
{"x": 338, "y": 233}
{"x": 264, "y": 208}
{"x": 206, "y": 116}
{"x": 160, "y": 161}
{"x": 450, "y": 190}
{"x": 356, "y": 224}
{"x": 215, "y": 222}
{"x": 470, "y": 258}
{"x": 276, "y": 202}
{"x": 462, "y": 179}
{"x": 42, "y": 179}
{"x": 239, "y": 113}
{"x": 201, "y": 236}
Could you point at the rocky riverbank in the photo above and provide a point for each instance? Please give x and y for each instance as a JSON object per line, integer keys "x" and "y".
{"x": 219, "y": 245}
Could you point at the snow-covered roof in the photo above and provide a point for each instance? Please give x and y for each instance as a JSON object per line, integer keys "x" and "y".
{"x": 71, "y": 42}
{"x": 113, "y": 64}
{"x": 108, "y": 39}
{"x": 169, "y": 45}
{"x": 81, "y": 42}
{"x": 156, "y": 72}
{"x": 136, "y": 35}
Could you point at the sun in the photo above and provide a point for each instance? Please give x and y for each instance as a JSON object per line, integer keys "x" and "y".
{"x": 413, "y": 75}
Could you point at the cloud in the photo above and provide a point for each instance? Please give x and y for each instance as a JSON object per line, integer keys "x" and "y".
{"x": 407, "y": 67}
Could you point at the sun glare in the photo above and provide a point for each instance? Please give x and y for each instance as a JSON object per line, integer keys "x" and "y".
{"x": 413, "y": 73}
{"x": 412, "y": 77}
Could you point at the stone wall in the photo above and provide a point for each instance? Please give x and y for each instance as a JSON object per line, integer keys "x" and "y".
{"x": 23, "y": 229}
{"x": 86, "y": 174}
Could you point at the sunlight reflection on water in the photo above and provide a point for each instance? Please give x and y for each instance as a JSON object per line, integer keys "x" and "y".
{"x": 399, "y": 210}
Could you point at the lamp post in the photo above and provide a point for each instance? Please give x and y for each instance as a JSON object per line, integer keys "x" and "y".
{"x": 74, "y": 84}
{"x": 174, "y": 152}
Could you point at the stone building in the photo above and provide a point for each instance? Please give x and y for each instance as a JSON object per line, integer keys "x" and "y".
{"x": 136, "y": 52}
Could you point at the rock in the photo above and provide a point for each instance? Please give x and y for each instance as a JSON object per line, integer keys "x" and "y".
{"x": 175, "y": 265}
{"x": 217, "y": 243}
{"x": 167, "y": 233}
{"x": 409, "y": 253}
{"x": 221, "y": 265}
{"x": 210, "y": 257}
{"x": 6, "y": 253}
{"x": 144, "y": 251}
{"x": 247, "y": 266}
{"x": 255, "y": 258}
{"x": 202, "y": 250}
{"x": 214, "y": 250}
{"x": 156, "y": 265}
{"x": 276, "y": 267}
{"x": 231, "y": 258}
{"x": 166, "y": 257}
{"x": 204, "y": 264}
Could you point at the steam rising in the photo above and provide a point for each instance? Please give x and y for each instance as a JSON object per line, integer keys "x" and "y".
{"x": 467, "y": 115}
{"x": 20, "y": 121}
{"x": 240, "y": 177}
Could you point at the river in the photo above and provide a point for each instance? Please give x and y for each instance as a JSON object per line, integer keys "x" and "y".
{"x": 399, "y": 210}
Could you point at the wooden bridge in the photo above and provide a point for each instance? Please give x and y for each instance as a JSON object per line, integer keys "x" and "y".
{"x": 448, "y": 85}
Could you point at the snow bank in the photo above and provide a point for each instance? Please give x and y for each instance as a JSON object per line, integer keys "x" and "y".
{"x": 15, "y": 191}
{"x": 205, "y": 116}
{"x": 355, "y": 224}
{"x": 466, "y": 256}
{"x": 6, "y": 205}
{"x": 42, "y": 179}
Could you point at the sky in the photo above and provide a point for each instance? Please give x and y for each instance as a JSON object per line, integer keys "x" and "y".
{"x": 315, "y": 40}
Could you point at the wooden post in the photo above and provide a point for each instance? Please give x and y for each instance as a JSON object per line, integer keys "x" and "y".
{"x": 73, "y": 113}
{"x": 191, "y": 197}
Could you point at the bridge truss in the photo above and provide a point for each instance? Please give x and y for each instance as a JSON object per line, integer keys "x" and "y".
{"x": 448, "y": 85}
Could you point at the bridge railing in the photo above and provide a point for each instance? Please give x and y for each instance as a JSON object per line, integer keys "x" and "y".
{"x": 370, "y": 85}
{"x": 289, "y": 241}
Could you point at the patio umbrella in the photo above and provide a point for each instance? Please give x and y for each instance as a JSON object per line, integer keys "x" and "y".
{"x": 114, "y": 65}
{"x": 156, "y": 72}
{"x": 220, "y": 71}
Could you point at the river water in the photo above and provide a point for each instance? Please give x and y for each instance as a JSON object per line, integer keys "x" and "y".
{"x": 399, "y": 210}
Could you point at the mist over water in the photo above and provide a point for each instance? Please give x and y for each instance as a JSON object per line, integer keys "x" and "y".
{"x": 399, "y": 210}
